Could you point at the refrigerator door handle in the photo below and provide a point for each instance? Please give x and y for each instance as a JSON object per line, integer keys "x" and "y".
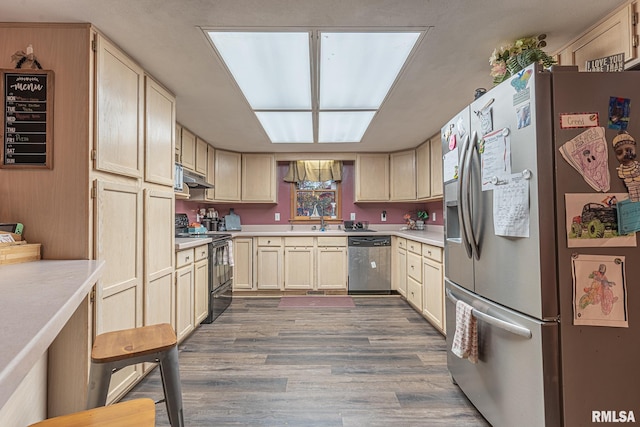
{"x": 461, "y": 208}
{"x": 466, "y": 197}
{"x": 494, "y": 321}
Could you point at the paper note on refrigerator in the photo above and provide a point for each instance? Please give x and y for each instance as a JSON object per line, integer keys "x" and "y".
{"x": 450, "y": 165}
{"x": 495, "y": 155}
{"x": 511, "y": 207}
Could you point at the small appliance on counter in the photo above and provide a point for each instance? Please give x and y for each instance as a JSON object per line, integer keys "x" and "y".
{"x": 232, "y": 221}
{"x": 357, "y": 226}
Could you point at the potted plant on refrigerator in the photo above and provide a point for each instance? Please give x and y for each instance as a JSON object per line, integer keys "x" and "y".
{"x": 508, "y": 60}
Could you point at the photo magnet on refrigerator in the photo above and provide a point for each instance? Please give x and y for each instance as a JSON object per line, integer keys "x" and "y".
{"x": 619, "y": 113}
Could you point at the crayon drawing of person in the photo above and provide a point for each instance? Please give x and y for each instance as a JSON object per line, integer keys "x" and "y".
{"x": 599, "y": 292}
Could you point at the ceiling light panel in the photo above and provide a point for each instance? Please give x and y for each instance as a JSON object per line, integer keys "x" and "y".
{"x": 271, "y": 68}
{"x": 287, "y": 127}
{"x": 343, "y": 126}
{"x": 358, "y": 69}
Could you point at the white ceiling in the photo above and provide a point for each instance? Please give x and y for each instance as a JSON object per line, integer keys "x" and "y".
{"x": 164, "y": 36}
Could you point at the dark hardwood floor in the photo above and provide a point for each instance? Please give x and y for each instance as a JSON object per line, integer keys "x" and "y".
{"x": 378, "y": 364}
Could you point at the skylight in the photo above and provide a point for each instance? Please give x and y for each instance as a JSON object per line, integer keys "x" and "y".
{"x": 304, "y": 91}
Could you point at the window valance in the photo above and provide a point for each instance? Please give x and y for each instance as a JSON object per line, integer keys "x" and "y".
{"x": 314, "y": 170}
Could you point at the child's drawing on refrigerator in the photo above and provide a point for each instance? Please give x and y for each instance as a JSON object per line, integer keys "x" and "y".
{"x": 599, "y": 291}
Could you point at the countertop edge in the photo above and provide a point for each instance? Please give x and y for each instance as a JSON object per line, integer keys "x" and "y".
{"x": 435, "y": 238}
{"x": 431, "y": 237}
{"x": 84, "y": 273}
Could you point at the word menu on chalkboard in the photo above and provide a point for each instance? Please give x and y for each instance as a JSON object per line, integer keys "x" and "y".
{"x": 27, "y": 133}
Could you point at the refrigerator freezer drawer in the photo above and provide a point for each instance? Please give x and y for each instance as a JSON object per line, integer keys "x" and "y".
{"x": 517, "y": 375}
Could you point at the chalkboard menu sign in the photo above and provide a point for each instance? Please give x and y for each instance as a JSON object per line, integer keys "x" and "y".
{"x": 27, "y": 131}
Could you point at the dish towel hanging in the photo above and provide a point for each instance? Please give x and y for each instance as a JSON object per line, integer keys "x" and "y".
{"x": 465, "y": 339}
{"x": 230, "y": 253}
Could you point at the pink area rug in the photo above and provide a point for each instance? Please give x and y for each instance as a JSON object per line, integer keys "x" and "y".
{"x": 316, "y": 302}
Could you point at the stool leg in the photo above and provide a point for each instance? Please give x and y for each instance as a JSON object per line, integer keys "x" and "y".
{"x": 170, "y": 372}
{"x": 99, "y": 379}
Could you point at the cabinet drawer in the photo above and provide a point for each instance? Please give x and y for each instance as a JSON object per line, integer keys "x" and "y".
{"x": 402, "y": 243}
{"x": 201, "y": 252}
{"x": 432, "y": 252}
{"x": 415, "y": 247}
{"x": 414, "y": 266}
{"x": 184, "y": 257}
{"x": 269, "y": 241}
{"x": 298, "y": 241}
{"x": 414, "y": 293}
{"x": 332, "y": 241}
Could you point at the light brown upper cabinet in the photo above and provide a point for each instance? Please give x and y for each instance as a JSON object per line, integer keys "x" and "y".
{"x": 178, "y": 138}
{"x": 403, "y": 175}
{"x": 119, "y": 111}
{"x": 188, "y": 150}
{"x": 201, "y": 157}
{"x": 159, "y": 140}
{"x": 436, "y": 166}
{"x": 423, "y": 171}
{"x": 372, "y": 177}
{"x": 259, "y": 178}
{"x": 614, "y": 35}
{"x": 227, "y": 175}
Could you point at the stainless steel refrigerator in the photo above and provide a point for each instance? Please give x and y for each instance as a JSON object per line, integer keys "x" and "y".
{"x": 535, "y": 367}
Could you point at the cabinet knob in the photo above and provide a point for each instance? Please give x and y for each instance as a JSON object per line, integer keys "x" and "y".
{"x": 186, "y": 258}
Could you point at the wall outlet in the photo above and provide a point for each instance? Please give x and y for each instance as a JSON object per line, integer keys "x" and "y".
{"x": 383, "y": 216}
{"x": 433, "y": 215}
{"x": 277, "y": 216}
{"x": 353, "y": 216}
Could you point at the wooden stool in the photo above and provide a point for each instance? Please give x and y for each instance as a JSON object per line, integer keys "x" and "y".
{"x": 132, "y": 413}
{"x": 115, "y": 350}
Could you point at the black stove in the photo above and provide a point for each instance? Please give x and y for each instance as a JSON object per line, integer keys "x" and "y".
{"x": 220, "y": 266}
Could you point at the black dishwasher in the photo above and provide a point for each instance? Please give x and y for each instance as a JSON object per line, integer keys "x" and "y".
{"x": 369, "y": 265}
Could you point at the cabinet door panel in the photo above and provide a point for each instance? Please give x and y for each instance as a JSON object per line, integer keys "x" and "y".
{"x": 372, "y": 177}
{"x": 436, "y": 167}
{"x": 201, "y": 291}
{"x": 403, "y": 175}
{"x": 227, "y": 175}
{"x": 423, "y": 170}
{"x": 401, "y": 271}
{"x": 243, "y": 264}
{"x": 613, "y": 36}
{"x": 184, "y": 301}
{"x": 332, "y": 267}
{"x": 159, "y": 138}
{"x": 298, "y": 267}
{"x": 119, "y": 102}
{"x": 118, "y": 241}
{"x": 188, "y": 143}
{"x": 259, "y": 178}
{"x": 269, "y": 268}
{"x": 433, "y": 307}
{"x": 159, "y": 208}
{"x": 201, "y": 156}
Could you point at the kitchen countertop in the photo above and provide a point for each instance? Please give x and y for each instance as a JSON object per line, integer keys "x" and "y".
{"x": 38, "y": 298}
{"x": 433, "y": 235}
{"x": 190, "y": 242}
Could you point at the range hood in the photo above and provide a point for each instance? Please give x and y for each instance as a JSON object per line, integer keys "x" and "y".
{"x": 193, "y": 180}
